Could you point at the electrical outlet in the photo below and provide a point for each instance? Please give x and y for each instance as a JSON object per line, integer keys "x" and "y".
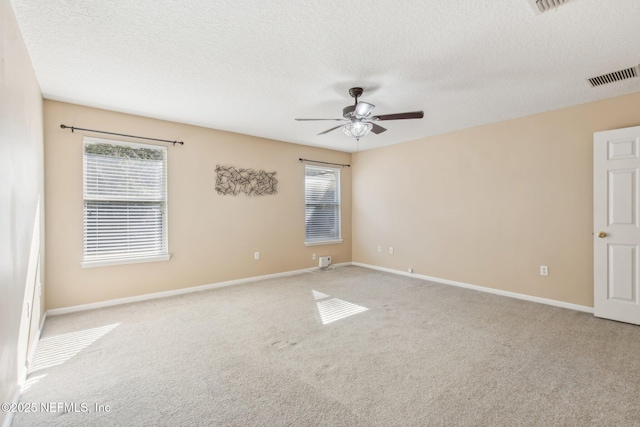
{"x": 314, "y": 256}
{"x": 256, "y": 255}
{"x": 379, "y": 248}
{"x": 544, "y": 270}
{"x": 391, "y": 250}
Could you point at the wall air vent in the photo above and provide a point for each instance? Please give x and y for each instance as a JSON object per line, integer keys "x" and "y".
{"x": 616, "y": 76}
{"x": 541, "y": 6}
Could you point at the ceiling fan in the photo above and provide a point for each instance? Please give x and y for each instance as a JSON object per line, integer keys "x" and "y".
{"x": 358, "y": 120}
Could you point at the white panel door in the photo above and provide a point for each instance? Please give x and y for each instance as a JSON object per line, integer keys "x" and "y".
{"x": 616, "y": 248}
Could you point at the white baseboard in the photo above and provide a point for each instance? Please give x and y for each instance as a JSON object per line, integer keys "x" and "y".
{"x": 32, "y": 351}
{"x": 16, "y": 399}
{"x": 23, "y": 372}
{"x": 165, "y": 294}
{"x": 22, "y": 377}
{"x": 516, "y": 295}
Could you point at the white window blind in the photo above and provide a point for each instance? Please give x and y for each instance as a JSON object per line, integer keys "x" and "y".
{"x": 125, "y": 200}
{"x": 322, "y": 202}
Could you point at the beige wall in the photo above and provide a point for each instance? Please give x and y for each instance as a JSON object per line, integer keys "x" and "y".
{"x": 21, "y": 184}
{"x": 212, "y": 238}
{"x": 487, "y": 206}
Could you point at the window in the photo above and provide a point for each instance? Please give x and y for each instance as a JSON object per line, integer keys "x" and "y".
{"x": 125, "y": 202}
{"x": 322, "y": 205}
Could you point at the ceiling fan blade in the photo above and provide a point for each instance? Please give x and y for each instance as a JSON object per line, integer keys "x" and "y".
{"x": 400, "y": 116}
{"x": 377, "y": 129}
{"x": 329, "y": 130}
{"x": 363, "y": 109}
{"x": 308, "y": 120}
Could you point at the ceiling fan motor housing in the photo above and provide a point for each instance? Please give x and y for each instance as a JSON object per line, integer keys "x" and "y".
{"x": 355, "y": 92}
{"x": 347, "y": 111}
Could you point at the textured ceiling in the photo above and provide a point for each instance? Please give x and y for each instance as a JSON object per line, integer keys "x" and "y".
{"x": 253, "y": 66}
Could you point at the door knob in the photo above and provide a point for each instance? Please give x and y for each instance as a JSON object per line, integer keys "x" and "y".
{"x": 602, "y": 234}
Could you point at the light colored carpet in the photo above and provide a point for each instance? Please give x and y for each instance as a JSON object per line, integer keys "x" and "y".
{"x": 259, "y": 354}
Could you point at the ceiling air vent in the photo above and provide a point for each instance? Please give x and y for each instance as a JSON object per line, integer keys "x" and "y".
{"x": 541, "y": 6}
{"x": 616, "y": 76}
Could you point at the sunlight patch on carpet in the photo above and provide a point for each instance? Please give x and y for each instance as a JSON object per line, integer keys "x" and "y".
{"x": 58, "y": 349}
{"x": 319, "y": 295}
{"x": 332, "y": 309}
{"x": 31, "y": 381}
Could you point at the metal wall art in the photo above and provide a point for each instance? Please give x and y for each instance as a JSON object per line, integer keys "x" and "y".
{"x": 233, "y": 181}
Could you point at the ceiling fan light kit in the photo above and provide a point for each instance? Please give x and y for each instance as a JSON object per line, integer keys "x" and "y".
{"x": 357, "y": 129}
{"x": 359, "y": 121}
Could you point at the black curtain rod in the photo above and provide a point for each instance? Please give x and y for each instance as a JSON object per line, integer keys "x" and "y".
{"x": 121, "y": 134}
{"x": 324, "y": 163}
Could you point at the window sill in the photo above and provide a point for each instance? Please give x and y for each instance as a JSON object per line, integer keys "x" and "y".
{"x": 121, "y": 261}
{"x": 323, "y": 242}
